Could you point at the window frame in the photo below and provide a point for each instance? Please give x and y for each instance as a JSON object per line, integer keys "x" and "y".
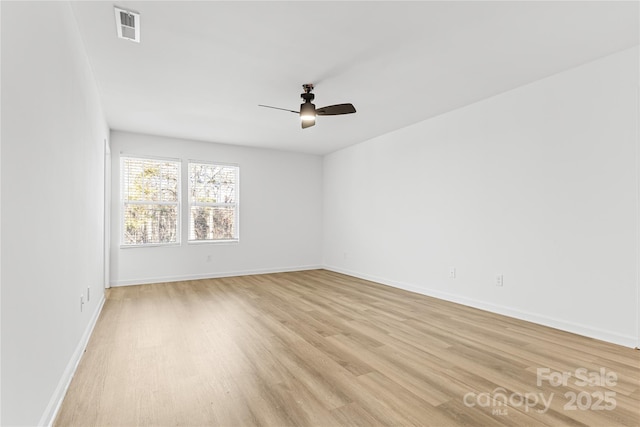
{"x": 177, "y": 203}
{"x": 190, "y": 204}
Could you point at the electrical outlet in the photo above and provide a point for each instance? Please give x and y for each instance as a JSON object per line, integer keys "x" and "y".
{"x": 499, "y": 280}
{"x": 452, "y": 273}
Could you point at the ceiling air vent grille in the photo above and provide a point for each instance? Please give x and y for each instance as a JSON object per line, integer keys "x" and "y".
{"x": 128, "y": 25}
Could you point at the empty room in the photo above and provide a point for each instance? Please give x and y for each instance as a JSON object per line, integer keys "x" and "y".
{"x": 320, "y": 213}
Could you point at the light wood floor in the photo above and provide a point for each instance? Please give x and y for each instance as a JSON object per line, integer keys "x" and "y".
{"x": 323, "y": 349}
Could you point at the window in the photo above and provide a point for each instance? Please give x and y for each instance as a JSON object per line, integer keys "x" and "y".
{"x": 150, "y": 201}
{"x": 213, "y": 202}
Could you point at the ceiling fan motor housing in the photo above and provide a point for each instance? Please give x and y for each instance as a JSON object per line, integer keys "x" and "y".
{"x": 308, "y": 97}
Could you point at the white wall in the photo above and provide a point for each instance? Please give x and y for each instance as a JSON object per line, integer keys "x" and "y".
{"x": 280, "y": 214}
{"x": 539, "y": 184}
{"x": 52, "y": 206}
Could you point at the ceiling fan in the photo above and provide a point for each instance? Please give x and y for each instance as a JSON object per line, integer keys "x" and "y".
{"x": 308, "y": 110}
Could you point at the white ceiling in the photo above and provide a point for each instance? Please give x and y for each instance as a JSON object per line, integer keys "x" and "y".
{"x": 202, "y": 67}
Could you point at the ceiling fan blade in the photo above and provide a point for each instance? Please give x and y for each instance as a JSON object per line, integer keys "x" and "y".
{"x": 308, "y": 123}
{"x": 335, "y": 110}
{"x": 278, "y": 108}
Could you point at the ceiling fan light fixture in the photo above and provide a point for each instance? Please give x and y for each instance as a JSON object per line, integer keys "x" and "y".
{"x": 307, "y": 112}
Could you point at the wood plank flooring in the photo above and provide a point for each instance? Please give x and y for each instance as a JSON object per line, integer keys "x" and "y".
{"x": 317, "y": 348}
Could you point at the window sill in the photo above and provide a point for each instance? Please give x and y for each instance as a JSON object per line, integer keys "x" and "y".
{"x": 213, "y": 242}
{"x": 151, "y": 245}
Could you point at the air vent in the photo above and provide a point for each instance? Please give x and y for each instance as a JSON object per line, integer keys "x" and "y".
{"x": 128, "y": 25}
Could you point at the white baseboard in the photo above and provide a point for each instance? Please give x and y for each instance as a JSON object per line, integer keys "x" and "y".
{"x": 164, "y": 279}
{"x": 49, "y": 415}
{"x": 587, "y": 331}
